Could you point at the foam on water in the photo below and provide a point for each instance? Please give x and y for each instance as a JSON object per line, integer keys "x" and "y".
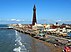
{"x": 21, "y": 47}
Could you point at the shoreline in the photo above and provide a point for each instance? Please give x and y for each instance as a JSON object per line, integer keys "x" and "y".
{"x": 50, "y": 45}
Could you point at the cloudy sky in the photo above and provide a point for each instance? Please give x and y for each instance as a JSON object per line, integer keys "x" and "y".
{"x": 48, "y": 11}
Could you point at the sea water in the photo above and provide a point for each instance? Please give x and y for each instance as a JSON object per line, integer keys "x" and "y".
{"x": 10, "y": 40}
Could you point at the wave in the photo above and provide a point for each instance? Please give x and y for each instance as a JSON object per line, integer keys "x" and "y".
{"x": 21, "y": 47}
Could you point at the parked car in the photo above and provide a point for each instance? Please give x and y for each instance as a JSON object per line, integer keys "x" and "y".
{"x": 67, "y": 48}
{"x": 40, "y": 36}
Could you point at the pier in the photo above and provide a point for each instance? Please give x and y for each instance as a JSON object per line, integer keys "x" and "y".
{"x": 6, "y": 28}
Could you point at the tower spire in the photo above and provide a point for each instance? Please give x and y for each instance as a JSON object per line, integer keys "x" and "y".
{"x": 34, "y": 6}
{"x": 34, "y": 16}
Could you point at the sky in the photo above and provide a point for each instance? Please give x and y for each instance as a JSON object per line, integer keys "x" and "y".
{"x": 47, "y": 11}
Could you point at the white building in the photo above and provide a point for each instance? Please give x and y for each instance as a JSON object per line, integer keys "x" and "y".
{"x": 37, "y": 26}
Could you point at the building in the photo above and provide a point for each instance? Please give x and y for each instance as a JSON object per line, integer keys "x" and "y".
{"x": 34, "y": 16}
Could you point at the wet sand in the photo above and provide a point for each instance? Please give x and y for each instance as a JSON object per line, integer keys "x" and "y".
{"x": 38, "y": 46}
{"x": 34, "y": 45}
{"x": 42, "y": 46}
{"x": 51, "y": 46}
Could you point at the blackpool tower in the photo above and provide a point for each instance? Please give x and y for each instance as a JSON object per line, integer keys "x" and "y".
{"x": 34, "y": 16}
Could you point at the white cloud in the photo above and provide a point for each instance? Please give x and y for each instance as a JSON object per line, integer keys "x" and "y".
{"x": 18, "y": 20}
{"x": 59, "y": 20}
{"x": 13, "y": 19}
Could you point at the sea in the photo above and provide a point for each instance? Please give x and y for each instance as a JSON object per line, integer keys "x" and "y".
{"x": 10, "y": 40}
